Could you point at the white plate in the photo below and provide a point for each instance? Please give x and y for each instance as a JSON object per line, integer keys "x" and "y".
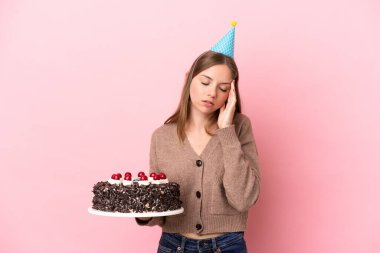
{"x": 146, "y": 214}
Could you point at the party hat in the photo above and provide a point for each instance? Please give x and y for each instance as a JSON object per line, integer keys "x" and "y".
{"x": 226, "y": 44}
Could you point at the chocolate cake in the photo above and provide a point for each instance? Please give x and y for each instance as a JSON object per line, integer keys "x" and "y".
{"x": 142, "y": 194}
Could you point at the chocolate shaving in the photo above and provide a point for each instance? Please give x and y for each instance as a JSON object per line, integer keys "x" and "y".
{"x": 136, "y": 198}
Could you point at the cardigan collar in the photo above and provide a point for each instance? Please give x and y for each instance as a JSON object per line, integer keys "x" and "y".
{"x": 207, "y": 150}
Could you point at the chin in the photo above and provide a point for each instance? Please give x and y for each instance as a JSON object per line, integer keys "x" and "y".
{"x": 205, "y": 110}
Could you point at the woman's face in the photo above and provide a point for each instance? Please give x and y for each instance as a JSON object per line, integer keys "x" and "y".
{"x": 210, "y": 88}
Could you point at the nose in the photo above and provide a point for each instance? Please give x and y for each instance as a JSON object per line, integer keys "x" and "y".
{"x": 211, "y": 92}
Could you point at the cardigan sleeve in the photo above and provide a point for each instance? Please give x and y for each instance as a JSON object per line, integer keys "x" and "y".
{"x": 153, "y": 167}
{"x": 241, "y": 179}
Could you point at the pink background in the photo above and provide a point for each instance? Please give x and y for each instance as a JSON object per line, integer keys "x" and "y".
{"x": 84, "y": 83}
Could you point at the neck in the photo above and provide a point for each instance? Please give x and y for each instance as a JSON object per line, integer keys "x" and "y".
{"x": 197, "y": 121}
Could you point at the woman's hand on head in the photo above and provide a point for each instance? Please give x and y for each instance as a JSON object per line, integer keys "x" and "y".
{"x": 226, "y": 113}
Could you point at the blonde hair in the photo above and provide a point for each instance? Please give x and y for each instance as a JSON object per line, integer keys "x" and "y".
{"x": 204, "y": 61}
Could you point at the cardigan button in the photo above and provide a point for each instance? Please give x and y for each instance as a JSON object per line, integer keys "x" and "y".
{"x": 199, "y": 163}
{"x": 198, "y": 226}
{"x": 198, "y": 193}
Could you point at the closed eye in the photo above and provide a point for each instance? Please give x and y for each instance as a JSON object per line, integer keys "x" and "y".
{"x": 223, "y": 90}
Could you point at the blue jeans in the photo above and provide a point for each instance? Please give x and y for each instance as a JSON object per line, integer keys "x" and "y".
{"x": 232, "y": 242}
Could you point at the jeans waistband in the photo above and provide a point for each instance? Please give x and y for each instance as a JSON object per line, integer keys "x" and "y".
{"x": 183, "y": 242}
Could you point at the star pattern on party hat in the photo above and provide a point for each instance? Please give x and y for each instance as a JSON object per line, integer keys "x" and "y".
{"x": 226, "y": 44}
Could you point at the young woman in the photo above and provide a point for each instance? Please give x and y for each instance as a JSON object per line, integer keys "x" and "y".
{"x": 207, "y": 146}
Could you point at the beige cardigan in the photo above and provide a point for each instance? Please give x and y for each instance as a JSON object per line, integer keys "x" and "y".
{"x": 218, "y": 187}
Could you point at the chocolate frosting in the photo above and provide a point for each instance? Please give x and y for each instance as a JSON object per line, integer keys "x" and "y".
{"x": 136, "y": 198}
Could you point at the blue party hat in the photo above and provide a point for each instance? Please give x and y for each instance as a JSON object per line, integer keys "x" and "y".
{"x": 226, "y": 44}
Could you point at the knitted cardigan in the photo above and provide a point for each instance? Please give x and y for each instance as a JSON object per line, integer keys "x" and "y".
{"x": 217, "y": 187}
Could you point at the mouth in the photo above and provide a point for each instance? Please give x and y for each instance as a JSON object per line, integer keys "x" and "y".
{"x": 208, "y": 102}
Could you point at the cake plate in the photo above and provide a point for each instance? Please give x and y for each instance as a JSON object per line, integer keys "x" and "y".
{"x": 145, "y": 214}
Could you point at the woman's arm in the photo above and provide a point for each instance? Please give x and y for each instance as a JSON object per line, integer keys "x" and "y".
{"x": 152, "y": 221}
{"x": 241, "y": 179}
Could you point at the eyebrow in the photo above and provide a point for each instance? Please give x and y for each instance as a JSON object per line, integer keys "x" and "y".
{"x": 211, "y": 79}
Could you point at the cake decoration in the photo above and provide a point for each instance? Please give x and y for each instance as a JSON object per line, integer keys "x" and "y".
{"x": 137, "y": 195}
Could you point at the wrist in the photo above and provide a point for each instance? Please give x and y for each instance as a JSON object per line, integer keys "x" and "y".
{"x": 225, "y": 126}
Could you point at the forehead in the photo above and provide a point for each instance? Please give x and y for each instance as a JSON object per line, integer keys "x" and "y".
{"x": 220, "y": 73}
